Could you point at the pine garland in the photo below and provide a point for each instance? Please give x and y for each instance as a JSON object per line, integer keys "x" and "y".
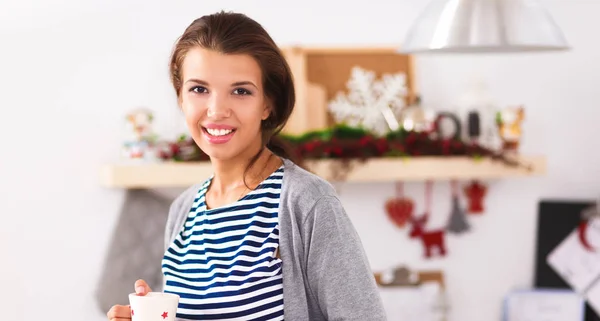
{"x": 349, "y": 143}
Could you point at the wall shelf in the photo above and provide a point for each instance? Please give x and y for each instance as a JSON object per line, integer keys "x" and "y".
{"x": 174, "y": 174}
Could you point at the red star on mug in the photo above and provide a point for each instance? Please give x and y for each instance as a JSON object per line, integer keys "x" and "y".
{"x": 164, "y": 315}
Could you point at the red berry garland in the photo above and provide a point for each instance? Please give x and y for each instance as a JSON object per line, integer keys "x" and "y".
{"x": 347, "y": 143}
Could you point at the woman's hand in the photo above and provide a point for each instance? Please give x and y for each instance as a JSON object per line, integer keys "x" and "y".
{"x": 123, "y": 312}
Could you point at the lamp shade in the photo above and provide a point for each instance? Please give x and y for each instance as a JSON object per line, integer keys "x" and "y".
{"x": 484, "y": 26}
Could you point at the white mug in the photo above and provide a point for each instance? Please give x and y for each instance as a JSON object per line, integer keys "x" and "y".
{"x": 154, "y": 306}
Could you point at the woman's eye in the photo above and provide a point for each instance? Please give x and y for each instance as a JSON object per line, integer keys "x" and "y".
{"x": 198, "y": 89}
{"x": 241, "y": 91}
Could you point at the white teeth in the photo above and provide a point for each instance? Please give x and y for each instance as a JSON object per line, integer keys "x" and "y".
{"x": 218, "y": 132}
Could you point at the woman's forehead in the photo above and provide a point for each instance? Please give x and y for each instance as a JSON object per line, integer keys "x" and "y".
{"x": 214, "y": 67}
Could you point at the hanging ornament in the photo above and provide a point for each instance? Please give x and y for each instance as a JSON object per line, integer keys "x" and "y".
{"x": 433, "y": 239}
{"x": 457, "y": 222}
{"x": 475, "y": 193}
{"x": 400, "y": 208}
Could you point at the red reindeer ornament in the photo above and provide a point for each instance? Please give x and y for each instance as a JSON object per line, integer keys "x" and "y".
{"x": 431, "y": 239}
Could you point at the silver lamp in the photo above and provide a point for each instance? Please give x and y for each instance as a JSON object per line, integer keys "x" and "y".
{"x": 484, "y": 26}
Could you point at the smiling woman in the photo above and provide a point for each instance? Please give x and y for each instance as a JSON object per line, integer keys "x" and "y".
{"x": 261, "y": 239}
{"x": 223, "y": 102}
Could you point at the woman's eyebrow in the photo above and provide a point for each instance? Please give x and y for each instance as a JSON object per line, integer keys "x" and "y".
{"x": 242, "y": 83}
{"x": 198, "y": 81}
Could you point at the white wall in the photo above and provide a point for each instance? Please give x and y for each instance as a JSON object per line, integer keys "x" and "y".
{"x": 69, "y": 70}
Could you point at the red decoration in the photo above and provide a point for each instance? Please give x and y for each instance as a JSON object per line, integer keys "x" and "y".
{"x": 131, "y": 312}
{"x": 164, "y": 315}
{"x": 399, "y": 209}
{"x": 475, "y": 192}
{"x": 582, "y": 234}
{"x": 430, "y": 239}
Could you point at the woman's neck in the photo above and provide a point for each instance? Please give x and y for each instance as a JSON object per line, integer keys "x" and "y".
{"x": 229, "y": 175}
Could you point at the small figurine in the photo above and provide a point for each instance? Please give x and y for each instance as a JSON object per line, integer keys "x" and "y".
{"x": 140, "y": 139}
{"x": 509, "y": 127}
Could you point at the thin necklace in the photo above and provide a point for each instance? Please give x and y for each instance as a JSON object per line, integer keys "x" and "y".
{"x": 262, "y": 178}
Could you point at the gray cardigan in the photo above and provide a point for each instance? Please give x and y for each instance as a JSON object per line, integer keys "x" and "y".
{"x": 326, "y": 274}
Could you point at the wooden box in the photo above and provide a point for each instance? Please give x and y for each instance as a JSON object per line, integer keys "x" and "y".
{"x": 321, "y": 72}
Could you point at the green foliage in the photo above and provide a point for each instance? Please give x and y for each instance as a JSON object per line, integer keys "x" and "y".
{"x": 341, "y": 131}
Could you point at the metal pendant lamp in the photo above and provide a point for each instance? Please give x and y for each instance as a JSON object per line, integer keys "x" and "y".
{"x": 484, "y": 26}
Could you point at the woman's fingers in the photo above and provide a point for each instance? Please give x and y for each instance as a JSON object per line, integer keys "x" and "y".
{"x": 119, "y": 313}
{"x": 123, "y": 312}
{"x": 141, "y": 287}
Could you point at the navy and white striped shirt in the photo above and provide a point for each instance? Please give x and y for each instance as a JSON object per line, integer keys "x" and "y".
{"x": 223, "y": 263}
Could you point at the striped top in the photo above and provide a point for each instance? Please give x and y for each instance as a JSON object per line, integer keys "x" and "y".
{"x": 223, "y": 263}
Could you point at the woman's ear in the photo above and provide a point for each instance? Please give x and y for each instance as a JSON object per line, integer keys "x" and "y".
{"x": 266, "y": 112}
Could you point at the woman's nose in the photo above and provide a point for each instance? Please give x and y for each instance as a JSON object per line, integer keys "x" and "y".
{"x": 217, "y": 108}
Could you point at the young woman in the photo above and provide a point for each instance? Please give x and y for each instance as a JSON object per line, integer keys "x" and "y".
{"x": 262, "y": 239}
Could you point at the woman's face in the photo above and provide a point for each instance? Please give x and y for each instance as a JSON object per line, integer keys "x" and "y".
{"x": 223, "y": 101}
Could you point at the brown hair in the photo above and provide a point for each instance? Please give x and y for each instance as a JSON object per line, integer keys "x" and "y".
{"x": 236, "y": 33}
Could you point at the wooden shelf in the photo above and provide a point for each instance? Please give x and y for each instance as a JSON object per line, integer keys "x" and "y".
{"x": 172, "y": 174}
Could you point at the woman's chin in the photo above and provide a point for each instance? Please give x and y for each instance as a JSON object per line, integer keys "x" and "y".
{"x": 220, "y": 154}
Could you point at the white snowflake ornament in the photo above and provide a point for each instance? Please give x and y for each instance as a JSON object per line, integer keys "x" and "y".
{"x": 371, "y": 104}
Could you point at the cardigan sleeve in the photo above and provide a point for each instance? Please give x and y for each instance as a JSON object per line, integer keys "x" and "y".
{"x": 338, "y": 271}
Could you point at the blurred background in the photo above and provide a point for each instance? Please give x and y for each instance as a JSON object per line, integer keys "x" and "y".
{"x": 71, "y": 70}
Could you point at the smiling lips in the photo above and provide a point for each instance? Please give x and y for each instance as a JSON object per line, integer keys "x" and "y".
{"x": 218, "y": 134}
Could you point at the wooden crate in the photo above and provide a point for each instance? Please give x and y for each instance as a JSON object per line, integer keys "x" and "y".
{"x": 321, "y": 72}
